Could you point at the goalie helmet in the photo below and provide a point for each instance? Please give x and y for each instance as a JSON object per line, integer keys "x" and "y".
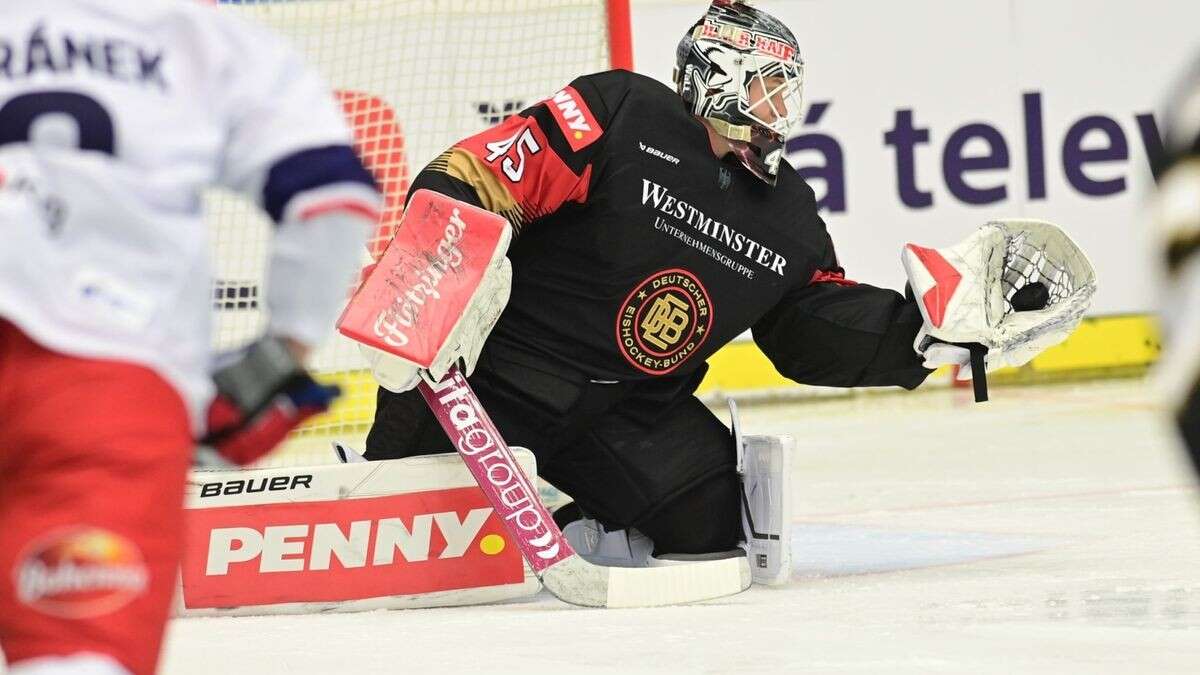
{"x": 735, "y": 50}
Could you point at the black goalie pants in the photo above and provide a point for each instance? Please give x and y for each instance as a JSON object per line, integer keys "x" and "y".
{"x": 631, "y": 454}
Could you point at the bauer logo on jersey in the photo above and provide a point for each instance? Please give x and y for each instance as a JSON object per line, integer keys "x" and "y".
{"x": 664, "y": 321}
{"x": 574, "y": 118}
{"x": 80, "y": 572}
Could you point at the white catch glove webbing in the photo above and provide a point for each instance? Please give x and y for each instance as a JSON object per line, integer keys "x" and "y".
{"x": 966, "y": 292}
{"x": 465, "y": 340}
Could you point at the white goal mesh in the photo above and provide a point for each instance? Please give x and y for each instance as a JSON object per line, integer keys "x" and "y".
{"x": 414, "y": 76}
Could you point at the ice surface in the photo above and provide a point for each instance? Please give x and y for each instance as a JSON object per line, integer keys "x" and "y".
{"x": 1051, "y": 530}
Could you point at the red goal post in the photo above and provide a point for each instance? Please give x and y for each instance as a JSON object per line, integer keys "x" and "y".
{"x": 413, "y": 77}
{"x": 620, "y": 35}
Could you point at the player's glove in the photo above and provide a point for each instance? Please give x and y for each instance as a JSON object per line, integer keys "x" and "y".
{"x": 261, "y": 396}
{"x": 1010, "y": 290}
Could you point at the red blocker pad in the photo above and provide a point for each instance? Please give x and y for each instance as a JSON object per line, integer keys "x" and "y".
{"x": 410, "y": 302}
{"x": 405, "y": 533}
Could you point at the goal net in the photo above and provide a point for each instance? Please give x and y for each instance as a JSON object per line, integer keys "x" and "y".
{"x": 413, "y": 77}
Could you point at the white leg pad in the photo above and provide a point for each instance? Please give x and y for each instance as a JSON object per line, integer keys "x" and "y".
{"x": 415, "y": 510}
{"x": 764, "y": 463}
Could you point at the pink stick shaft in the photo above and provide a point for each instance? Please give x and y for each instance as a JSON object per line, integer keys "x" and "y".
{"x": 492, "y": 464}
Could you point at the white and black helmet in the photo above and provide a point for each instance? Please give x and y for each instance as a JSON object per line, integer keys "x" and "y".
{"x": 732, "y": 47}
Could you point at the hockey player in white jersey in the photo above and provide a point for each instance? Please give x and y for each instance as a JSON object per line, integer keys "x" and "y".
{"x": 114, "y": 116}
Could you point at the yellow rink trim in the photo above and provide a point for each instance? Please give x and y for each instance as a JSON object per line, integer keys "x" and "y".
{"x": 1102, "y": 345}
{"x": 1104, "y": 342}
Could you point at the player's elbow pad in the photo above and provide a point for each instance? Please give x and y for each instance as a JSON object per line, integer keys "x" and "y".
{"x": 317, "y": 181}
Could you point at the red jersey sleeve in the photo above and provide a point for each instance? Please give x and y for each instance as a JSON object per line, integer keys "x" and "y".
{"x": 534, "y": 162}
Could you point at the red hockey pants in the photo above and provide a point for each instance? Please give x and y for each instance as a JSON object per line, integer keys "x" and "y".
{"x": 93, "y": 458}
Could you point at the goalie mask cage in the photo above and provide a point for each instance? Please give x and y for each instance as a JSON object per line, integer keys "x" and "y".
{"x": 413, "y": 76}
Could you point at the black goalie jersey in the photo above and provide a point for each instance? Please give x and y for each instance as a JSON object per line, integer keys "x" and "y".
{"x": 638, "y": 253}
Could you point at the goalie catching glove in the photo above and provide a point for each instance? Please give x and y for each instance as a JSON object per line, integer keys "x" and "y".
{"x": 1012, "y": 289}
{"x": 435, "y": 294}
{"x": 261, "y": 397}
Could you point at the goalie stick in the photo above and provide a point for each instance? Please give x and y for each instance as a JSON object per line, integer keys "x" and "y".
{"x": 563, "y": 572}
{"x": 428, "y": 294}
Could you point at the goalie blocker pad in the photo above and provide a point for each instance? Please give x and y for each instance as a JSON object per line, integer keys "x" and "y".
{"x": 411, "y": 301}
{"x": 393, "y": 534}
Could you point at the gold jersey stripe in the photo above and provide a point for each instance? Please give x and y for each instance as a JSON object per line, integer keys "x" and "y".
{"x": 493, "y": 194}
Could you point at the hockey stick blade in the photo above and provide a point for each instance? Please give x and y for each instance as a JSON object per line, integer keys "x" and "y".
{"x": 564, "y": 573}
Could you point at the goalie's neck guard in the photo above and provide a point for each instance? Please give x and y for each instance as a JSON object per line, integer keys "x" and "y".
{"x": 756, "y": 148}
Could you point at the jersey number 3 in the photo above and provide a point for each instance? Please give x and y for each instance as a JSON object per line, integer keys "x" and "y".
{"x": 516, "y": 145}
{"x": 21, "y": 117}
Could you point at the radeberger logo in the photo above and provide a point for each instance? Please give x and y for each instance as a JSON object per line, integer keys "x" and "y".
{"x": 664, "y": 321}
{"x": 80, "y": 572}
